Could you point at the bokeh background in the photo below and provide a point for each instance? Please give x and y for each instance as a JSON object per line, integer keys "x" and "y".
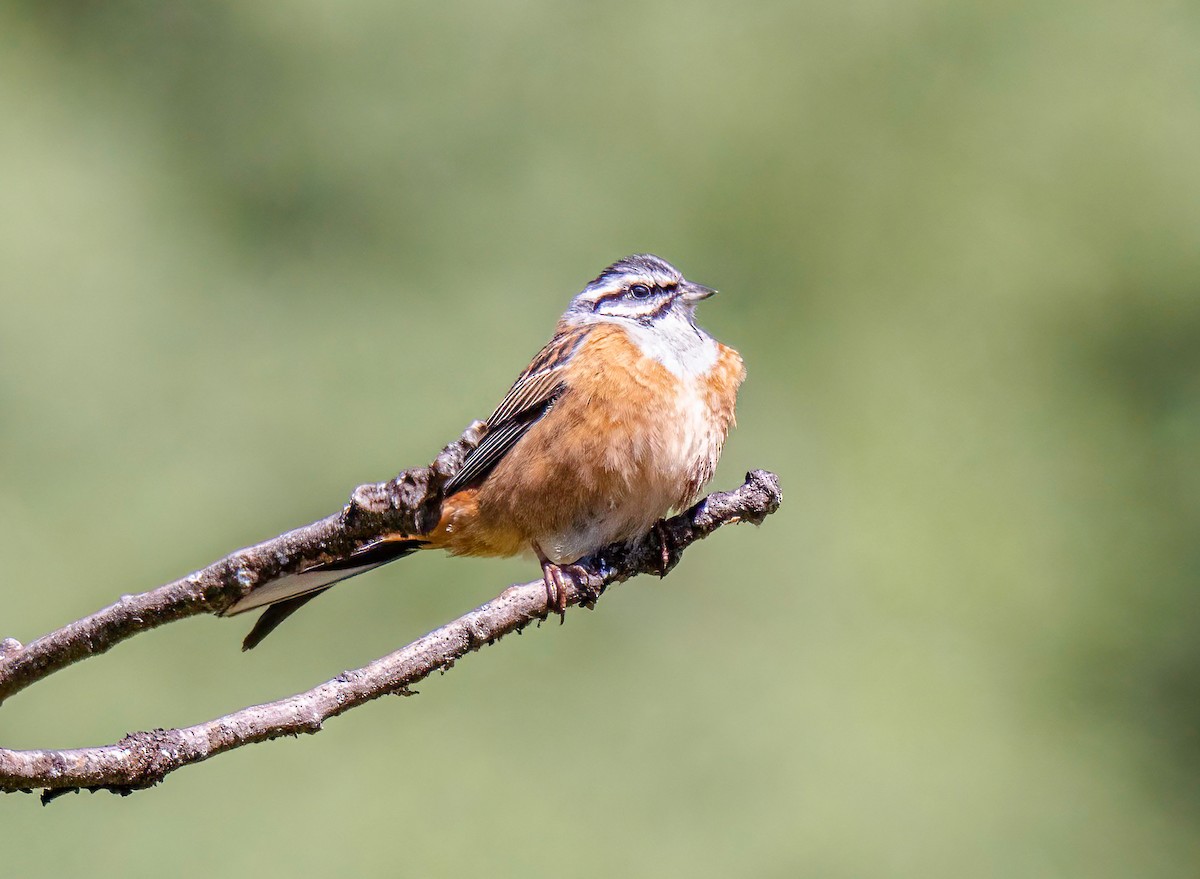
{"x": 255, "y": 254}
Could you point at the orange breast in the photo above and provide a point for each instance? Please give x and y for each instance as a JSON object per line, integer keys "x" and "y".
{"x": 625, "y": 443}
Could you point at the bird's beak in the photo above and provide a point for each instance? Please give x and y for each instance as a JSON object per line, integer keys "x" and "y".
{"x": 696, "y": 292}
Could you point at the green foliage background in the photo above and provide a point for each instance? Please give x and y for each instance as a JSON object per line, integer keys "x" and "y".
{"x": 254, "y": 254}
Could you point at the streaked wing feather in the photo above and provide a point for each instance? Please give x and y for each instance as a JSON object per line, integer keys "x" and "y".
{"x": 528, "y": 393}
{"x": 530, "y": 397}
{"x": 489, "y": 452}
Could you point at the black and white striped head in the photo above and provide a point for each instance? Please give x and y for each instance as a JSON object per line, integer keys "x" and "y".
{"x": 642, "y": 288}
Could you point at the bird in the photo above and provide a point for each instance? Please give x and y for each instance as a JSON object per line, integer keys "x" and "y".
{"x": 619, "y": 420}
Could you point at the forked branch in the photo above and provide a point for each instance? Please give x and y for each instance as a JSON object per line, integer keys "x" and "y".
{"x": 408, "y": 503}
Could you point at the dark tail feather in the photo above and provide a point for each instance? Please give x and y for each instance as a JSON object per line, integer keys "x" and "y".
{"x": 276, "y": 614}
{"x": 288, "y": 594}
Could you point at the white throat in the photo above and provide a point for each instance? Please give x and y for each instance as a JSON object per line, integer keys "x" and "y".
{"x": 675, "y": 342}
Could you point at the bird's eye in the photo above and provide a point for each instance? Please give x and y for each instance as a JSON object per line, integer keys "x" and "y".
{"x": 639, "y": 291}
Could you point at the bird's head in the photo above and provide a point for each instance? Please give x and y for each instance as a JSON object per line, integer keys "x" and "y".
{"x": 642, "y": 288}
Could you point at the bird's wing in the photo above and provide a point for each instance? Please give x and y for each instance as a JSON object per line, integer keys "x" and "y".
{"x": 530, "y": 397}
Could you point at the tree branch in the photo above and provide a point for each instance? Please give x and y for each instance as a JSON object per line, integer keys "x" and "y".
{"x": 407, "y": 503}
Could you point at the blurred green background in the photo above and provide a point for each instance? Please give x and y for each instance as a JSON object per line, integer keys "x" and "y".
{"x": 252, "y": 255}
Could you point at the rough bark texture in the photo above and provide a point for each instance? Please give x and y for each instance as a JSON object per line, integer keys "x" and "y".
{"x": 407, "y": 503}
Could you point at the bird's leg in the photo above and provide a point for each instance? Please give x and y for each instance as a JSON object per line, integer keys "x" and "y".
{"x": 556, "y": 588}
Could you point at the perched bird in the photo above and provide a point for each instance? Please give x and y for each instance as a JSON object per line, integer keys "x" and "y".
{"x": 617, "y": 421}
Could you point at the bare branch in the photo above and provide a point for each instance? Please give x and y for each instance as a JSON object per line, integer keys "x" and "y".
{"x": 142, "y": 759}
{"x": 410, "y": 502}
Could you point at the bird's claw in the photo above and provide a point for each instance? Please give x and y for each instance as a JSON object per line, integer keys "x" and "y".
{"x": 556, "y": 591}
{"x": 558, "y": 579}
{"x": 666, "y": 546}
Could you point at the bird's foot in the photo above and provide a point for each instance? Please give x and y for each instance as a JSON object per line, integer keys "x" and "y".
{"x": 556, "y": 590}
{"x": 588, "y": 576}
{"x": 559, "y": 579}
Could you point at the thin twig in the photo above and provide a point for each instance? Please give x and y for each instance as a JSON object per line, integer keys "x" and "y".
{"x": 142, "y": 759}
